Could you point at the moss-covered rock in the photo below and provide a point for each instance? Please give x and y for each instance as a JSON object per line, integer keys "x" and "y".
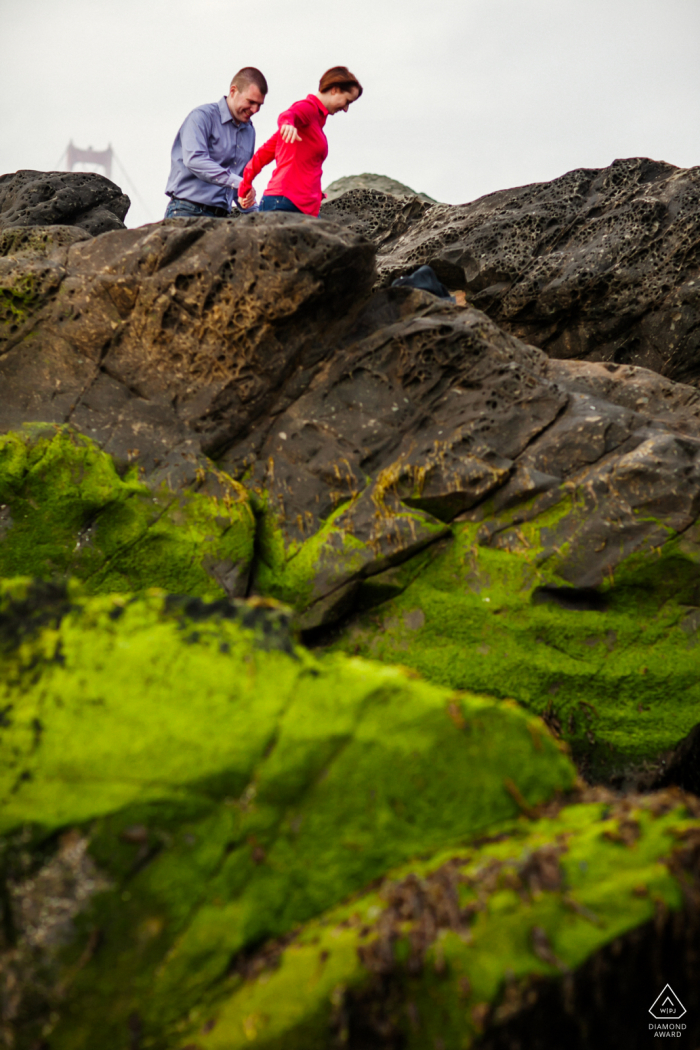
{"x": 613, "y": 671}
{"x": 231, "y": 784}
{"x": 319, "y": 577}
{"x": 462, "y": 946}
{"x": 66, "y": 510}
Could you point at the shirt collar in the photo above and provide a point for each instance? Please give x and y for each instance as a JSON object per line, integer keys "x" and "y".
{"x": 226, "y": 118}
{"x": 225, "y": 111}
{"x": 320, "y": 104}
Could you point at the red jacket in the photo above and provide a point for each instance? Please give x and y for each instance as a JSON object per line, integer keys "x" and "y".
{"x": 297, "y": 175}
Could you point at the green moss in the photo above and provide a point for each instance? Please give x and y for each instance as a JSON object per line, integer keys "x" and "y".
{"x": 301, "y": 573}
{"x": 68, "y": 511}
{"x": 269, "y": 784}
{"x": 537, "y": 903}
{"x": 619, "y": 682}
{"x": 17, "y": 300}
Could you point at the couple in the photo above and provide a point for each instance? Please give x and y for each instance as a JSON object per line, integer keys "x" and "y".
{"x": 213, "y": 162}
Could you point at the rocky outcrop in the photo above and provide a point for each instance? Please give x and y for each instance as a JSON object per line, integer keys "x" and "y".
{"x": 164, "y": 341}
{"x": 44, "y": 198}
{"x": 276, "y": 429}
{"x": 383, "y": 217}
{"x": 584, "y": 912}
{"x": 600, "y": 264}
{"x": 226, "y": 825}
{"x": 214, "y": 786}
{"x": 66, "y": 510}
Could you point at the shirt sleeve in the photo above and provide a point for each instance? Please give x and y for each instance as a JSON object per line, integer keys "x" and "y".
{"x": 298, "y": 114}
{"x": 195, "y": 153}
{"x": 262, "y": 157}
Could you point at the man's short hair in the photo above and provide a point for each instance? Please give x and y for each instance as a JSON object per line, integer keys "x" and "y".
{"x": 250, "y": 75}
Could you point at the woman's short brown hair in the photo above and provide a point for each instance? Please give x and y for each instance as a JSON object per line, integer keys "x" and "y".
{"x": 340, "y": 77}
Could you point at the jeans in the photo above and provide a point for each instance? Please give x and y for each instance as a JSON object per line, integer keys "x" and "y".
{"x": 278, "y": 204}
{"x": 181, "y": 209}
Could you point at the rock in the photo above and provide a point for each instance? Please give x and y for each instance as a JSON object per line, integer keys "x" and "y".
{"x": 371, "y": 450}
{"x": 439, "y": 412}
{"x": 599, "y": 264}
{"x": 226, "y": 824}
{"x": 219, "y": 785}
{"x": 388, "y": 444}
{"x": 39, "y": 240}
{"x": 155, "y": 343}
{"x": 612, "y": 670}
{"x": 380, "y": 183}
{"x": 44, "y": 198}
{"x": 567, "y": 925}
{"x": 383, "y": 217}
{"x": 65, "y": 510}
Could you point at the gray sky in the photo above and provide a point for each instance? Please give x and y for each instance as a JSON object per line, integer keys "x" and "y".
{"x": 462, "y": 97}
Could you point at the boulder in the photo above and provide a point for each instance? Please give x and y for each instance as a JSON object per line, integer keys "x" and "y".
{"x": 382, "y": 216}
{"x": 45, "y": 198}
{"x": 569, "y": 925}
{"x": 380, "y": 183}
{"x": 598, "y": 265}
{"x": 169, "y": 340}
{"x": 188, "y": 782}
{"x": 66, "y": 510}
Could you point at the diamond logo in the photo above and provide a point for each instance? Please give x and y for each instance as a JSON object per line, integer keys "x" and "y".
{"x": 668, "y": 1006}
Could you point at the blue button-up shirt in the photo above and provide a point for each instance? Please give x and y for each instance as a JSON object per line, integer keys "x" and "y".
{"x": 208, "y": 156}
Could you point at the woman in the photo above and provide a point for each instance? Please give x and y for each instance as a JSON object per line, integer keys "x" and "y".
{"x": 300, "y": 146}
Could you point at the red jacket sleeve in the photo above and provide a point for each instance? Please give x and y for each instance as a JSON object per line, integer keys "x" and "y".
{"x": 298, "y": 114}
{"x": 262, "y": 157}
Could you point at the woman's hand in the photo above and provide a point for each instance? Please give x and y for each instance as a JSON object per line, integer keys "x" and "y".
{"x": 289, "y": 133}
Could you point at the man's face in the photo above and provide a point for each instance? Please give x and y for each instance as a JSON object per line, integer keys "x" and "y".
{"x": 245, "y": 103}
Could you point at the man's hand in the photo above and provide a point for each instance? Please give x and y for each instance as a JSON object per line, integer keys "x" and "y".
{"x": 249, "y": 200}
{"x": 289, "y": 133}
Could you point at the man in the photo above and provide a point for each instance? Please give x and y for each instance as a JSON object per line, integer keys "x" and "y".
{"x": 211, "y": 150}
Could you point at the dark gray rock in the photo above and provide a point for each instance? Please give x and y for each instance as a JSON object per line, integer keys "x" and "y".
{"x": 599, "y": 265}
{"x": 170, "y": 340}
{"x": 383, "y": 217}
{"x": 45, "y": 198}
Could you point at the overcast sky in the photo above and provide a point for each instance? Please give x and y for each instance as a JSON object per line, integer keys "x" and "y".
{"x": 462, "y": 97}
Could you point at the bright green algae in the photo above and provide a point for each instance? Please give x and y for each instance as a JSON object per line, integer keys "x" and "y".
{"x": 270, "y": 784}
{"x": 67, "y": 511}
{"x": 301, "y": 573}
{"x": 620, "y": 683}
{"x": 535, "y": 905}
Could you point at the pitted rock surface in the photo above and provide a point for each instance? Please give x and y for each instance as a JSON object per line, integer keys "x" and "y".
{"x": 363, "y": 424}
{"x": 39, "y": 240}
{"x": 174, "y": 336}
{"x": 383, "y": 217}
{"x": 44, "y": 198}
{"x": 600, "y": 264}
{"x": 437, "y": 411}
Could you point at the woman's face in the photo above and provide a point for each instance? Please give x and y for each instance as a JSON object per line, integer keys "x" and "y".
{"x": 340, "y": 100}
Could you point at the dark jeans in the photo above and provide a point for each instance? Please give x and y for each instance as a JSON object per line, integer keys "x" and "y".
{"x": 182, "y": 209}
{"x": 278, "y": 204}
